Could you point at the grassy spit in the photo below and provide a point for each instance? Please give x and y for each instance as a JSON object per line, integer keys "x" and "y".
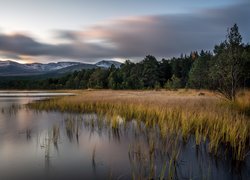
{"x": 183, "y": 111}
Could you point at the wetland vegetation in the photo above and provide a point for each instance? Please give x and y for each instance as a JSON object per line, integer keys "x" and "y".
{"x": 184, "y": 113}
{"x": 155, "y": 131}
{"x": 125, "y": 135}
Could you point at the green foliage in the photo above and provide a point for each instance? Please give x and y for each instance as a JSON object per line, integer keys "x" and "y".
{"x": 150, "y": 71}
{"x": 199, "y": 73}
{"x": 174, "y": 83}
{"x": 98, "y": 79}
{"x": 226, "y": 70}
{"x": 182, "y": 65}
{"x": 165, "y": 71}
{"x": 246, "y": 65}
{"x": 157, "y": 86}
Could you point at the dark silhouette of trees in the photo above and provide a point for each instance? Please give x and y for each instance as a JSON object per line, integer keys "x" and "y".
{"x": 150, "y": 71}
{"x": 226, "y": 70}
{"x": 165, "y": 71}
{"x": 199, "y": 73}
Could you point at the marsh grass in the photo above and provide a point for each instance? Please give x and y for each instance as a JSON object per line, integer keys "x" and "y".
{"x": 11, "y": 110}
{"x": 242, "y": 102}
{"x": 155, "y": 158}
{"x": 183, "y": 111}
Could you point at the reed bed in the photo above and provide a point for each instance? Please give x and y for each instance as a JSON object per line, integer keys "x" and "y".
{"x": 242, "y": 103}
{"x": 183, "y": 111}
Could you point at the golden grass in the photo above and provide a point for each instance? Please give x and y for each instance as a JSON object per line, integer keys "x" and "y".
{"x": 242, "y": 102}
{"x": 173, "y": 111}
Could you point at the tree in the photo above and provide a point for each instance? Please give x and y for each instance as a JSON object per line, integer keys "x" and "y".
{"x": 246, "y": 70}
{"x": 98, "y": 79}
{"x": 165, "y": 71}
{"x": 198, "y": 75}
{"x": 114, "y": 78}
{"x": 181, "y": 67}
{"x": 228, "y": 64}
{"x": 150, "y": 71}
{"x": 173, "y": 83}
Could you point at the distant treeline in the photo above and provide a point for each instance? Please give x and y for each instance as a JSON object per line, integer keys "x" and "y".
{"x": 227, "y": 67}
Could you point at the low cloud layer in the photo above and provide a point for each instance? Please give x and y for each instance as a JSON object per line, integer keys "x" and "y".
{"x": 161, "y": 35}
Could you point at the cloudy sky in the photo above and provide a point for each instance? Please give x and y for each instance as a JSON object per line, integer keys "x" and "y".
{"x": 83, "y": 30}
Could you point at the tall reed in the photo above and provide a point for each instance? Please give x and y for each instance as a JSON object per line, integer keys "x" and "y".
{"x": 202, "y": 116}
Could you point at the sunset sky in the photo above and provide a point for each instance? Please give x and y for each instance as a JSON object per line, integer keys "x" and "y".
{"x": 88, "y": 31}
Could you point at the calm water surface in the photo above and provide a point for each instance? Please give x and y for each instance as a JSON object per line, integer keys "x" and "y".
{"x": 54, "y": 145}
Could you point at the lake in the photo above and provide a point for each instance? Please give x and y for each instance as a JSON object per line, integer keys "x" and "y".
{"x": 54, "y": 145}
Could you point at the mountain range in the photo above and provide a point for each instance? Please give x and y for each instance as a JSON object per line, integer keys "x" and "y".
{"x": 11, "y": 68}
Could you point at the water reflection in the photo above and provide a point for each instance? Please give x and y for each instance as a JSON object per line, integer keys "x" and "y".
{"x": 28, "y": 134}
{"x": 74, "y": 146}
{"x": 56, "y": 136}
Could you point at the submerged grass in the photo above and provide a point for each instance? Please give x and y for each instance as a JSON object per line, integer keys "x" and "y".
{"x": 173, "y": 112}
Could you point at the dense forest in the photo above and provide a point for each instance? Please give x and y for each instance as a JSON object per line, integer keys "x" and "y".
{"x": 225, "y": 69}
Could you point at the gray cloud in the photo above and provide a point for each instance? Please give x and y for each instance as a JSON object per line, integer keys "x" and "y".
{"x": 67, "y": 35}
{"x": 162, "y": 36}
{"x": 7, "y": 56}
{"x": 25, "y": 45}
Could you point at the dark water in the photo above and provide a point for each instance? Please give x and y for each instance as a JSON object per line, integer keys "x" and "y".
{"x": 54, "y": 145}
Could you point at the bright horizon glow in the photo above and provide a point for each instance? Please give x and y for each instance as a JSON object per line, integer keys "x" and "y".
{"x": 29, "y": 61}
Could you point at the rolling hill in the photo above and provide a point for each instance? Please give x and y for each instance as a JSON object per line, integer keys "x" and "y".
{"x": 11, "y": 68}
